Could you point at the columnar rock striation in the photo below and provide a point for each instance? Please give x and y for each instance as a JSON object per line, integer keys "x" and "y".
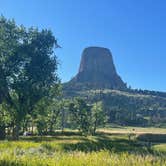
{"x": 97, "y": 70}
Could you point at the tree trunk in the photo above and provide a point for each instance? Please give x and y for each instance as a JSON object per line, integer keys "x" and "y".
{"x": 95, "y": 126}
{"x": 95, "y": 122}
{"x": 24, "y": 125}
{"x": 63, "y": 121}
{"x": 32, "y": 132}
{"x": 2, "y": 132}
{"x": 16, "y": 131}
{"x": 51, "y": 128}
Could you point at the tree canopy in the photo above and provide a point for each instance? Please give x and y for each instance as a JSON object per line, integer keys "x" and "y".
{"x": 28, "y": 68}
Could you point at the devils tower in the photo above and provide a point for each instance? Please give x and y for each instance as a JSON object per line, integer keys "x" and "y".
{"x": 97, "y": 70}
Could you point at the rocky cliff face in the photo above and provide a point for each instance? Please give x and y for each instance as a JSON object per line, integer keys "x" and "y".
{"x": 97, "y": 70}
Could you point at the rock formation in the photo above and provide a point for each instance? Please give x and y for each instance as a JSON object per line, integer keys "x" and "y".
{"x": 97, "y": 70}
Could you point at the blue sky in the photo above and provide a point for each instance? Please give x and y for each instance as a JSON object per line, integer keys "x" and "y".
{"x": 134, "y": 31}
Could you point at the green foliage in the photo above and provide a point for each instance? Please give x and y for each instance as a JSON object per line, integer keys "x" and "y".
{"x": 87, "y": 117}
{"x": 28, "y": 68}
{"x": 80, "y": 115}
{"x": 5, "y": 120}
{"x": 47, "y": 114}
{"x": 98, "y": 116}
{"x": 134, "y": 108}
{"x": 41, "y": 125}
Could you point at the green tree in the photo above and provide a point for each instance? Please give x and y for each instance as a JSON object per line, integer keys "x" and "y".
{"x": 54, "y": 113}
{"x": 80, "y": 115}
{"x": 98, "y": 116}
{"x": 28, "y": 66}
{"x": 9, "y": 41}
{"x": 5, "y": 120}
{"x": 37, "y": 74}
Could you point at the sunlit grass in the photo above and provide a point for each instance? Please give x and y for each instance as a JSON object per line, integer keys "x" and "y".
{"x": 101, "y": 158}
{"x": 160, "y": 147}
{"x": 136, "y": 130}
{"x": 104, "y": 149}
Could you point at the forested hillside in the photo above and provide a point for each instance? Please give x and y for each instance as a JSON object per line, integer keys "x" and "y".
{"x": 129, "y": 107}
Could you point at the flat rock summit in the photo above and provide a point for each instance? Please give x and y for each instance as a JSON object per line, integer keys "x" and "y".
{"x": 97, "y": 70}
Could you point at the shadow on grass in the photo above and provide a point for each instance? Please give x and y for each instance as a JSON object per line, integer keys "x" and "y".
{"x": 117, "y": 145}
{"x": 67, "y": 135}
{"x": 52, "y": 138}
{"x": 157, "y": 138}
{"x": 102, "y": 141}
{"x": 120, "y": 145}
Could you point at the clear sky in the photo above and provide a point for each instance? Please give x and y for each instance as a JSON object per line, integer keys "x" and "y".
{"x": 134, "y": 31}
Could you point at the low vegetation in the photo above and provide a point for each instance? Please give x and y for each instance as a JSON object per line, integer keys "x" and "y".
{"x": 72, "y": 149}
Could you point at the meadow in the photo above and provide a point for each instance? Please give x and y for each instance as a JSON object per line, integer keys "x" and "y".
{"x": 109, "y": 147}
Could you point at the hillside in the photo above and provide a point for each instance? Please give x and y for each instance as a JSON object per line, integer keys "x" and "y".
{"x": 130, "y": 107}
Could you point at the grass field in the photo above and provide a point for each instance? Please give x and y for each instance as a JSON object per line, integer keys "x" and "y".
{"x": 110, "y": 147}
{"x": 135, "y": 130}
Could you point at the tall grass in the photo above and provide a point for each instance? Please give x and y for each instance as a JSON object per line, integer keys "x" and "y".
{"x": 101, "y": 150}
{"x": 101, "y": 158}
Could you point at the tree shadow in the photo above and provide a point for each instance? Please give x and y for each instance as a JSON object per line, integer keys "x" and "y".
{"x": 56, "y": 137}
{"x": 101, "y": 141}
{"x": 120, "y": 145}
{"x": 157, "y": 138}
{"x": 104, "y": 142}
